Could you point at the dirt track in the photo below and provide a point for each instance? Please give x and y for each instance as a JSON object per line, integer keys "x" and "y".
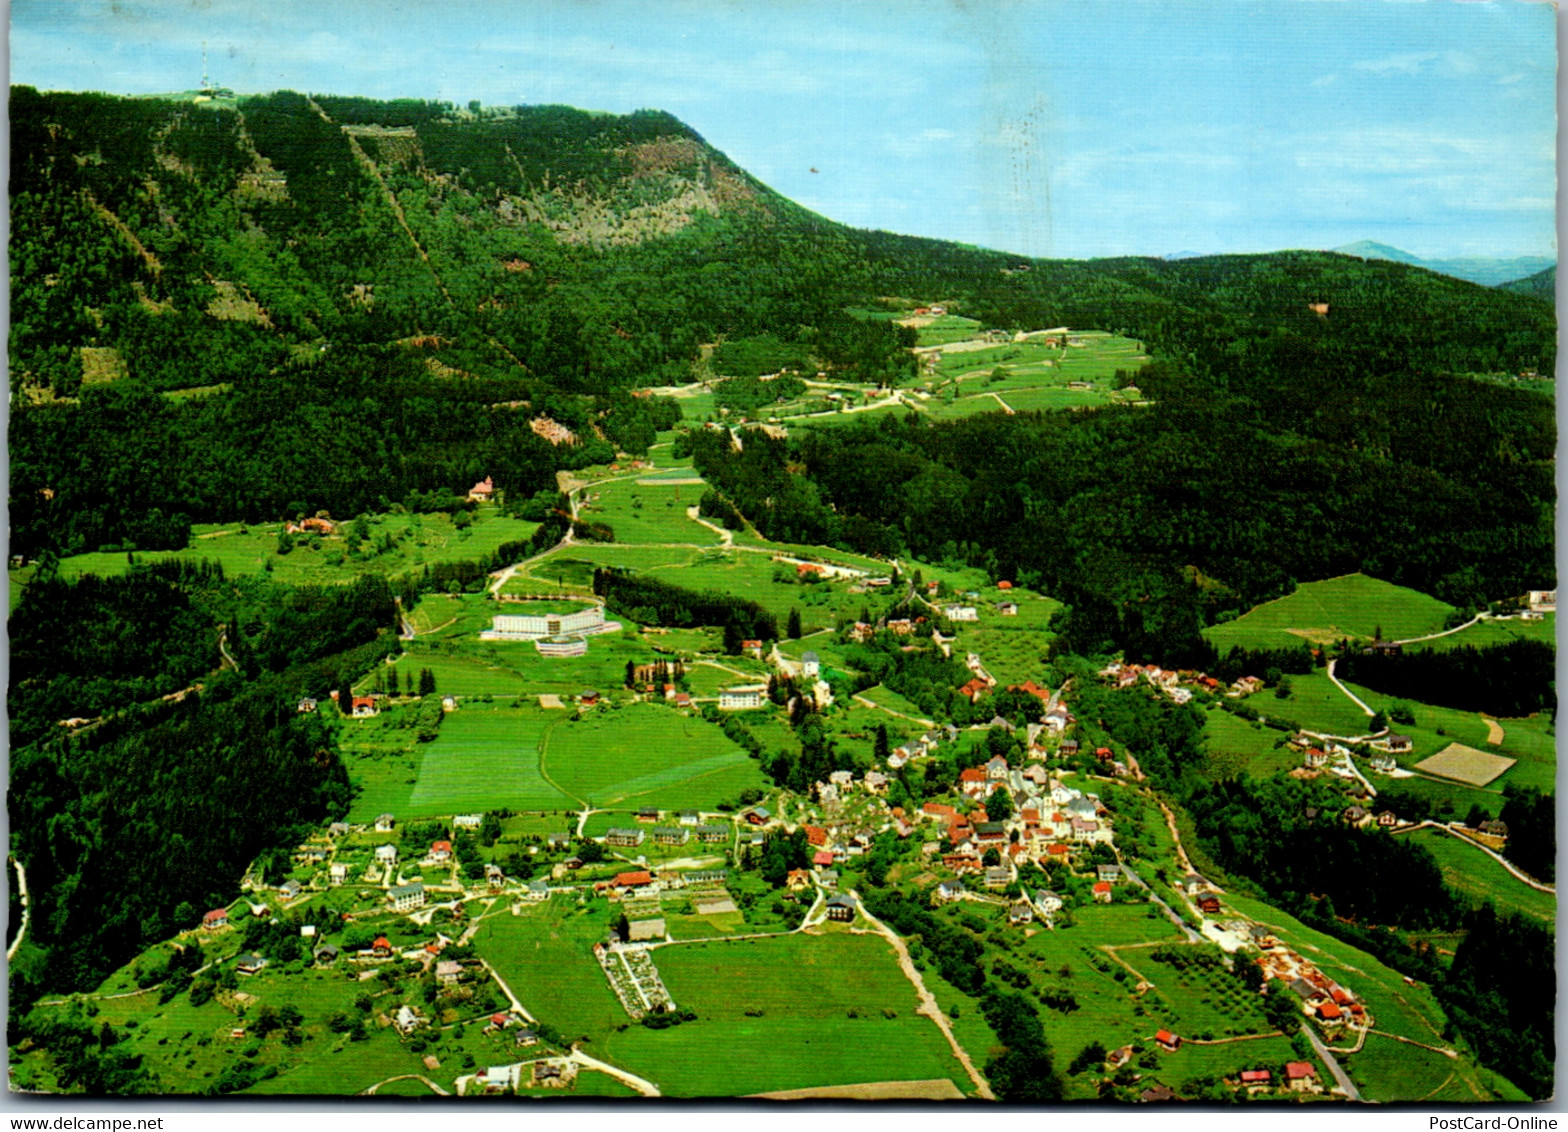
{"x": 939, "y": 1089}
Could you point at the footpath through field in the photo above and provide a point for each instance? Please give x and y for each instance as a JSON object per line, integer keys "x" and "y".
{"x": 928, "y": 1004}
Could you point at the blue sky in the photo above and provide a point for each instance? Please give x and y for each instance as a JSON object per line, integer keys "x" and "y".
{"x": 1050, "y": 127}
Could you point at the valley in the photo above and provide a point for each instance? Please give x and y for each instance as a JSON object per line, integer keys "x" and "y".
{"x": 502, "y": 602}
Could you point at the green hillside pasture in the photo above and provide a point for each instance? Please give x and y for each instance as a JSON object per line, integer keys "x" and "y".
{"x": 1193, "y": 1061}
{"x": 750, "y": 576}
{"x": 648, "y": 755}
{"x": 1314, "y": 703}
{"x": 602, "y": 668}
{"x": 461, "y": 674}
{"x": 1322, "y": 612}
{"x": 803, "y": 994}
{"x": 1478, "y": 877}
{"x": 383, "y": 762}
{"x": 1388, "y": 1067}
{"x": 874, "y": 567}
{"x": 1396, "y": 1007}
{"x": 443, "y": 617}
{"x": 1238, "y": 746}
{"x": 1485, "y": 633}
{"x": 646, "y": 513}
{"x": 421, "y": 540}
{"x": 570, "y": 569}
{"x": 697, "y": 406}
{"x": 706, "y": 680}
{"x": 854, "y": 730}
{"x": 486, "y": 760}
{"x": 1106, "y": 1009}
{"x": 885, "y": 697}
{"x": 545, "y": 955}
{"x": 945, "y": 328}
{"x": 1528, "y": 740}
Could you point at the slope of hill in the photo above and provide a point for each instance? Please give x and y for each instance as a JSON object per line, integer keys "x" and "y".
{"x": 1542, "y": 285}
{"x": 1490, "y": 272}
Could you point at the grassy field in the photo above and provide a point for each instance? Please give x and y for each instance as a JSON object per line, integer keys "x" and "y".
{"x": 785, "y": 1013}
{"x": 1478, "y": 877}
{"x": 750, "y": 577}
{"x": 1235, "y": 746}
{"x": 1321, "y": 612}
{"x": 647, "y": 754}
{"x": 417, "y": 541}
{"x": 486, "y": 760}
{"x": 546, "y": 956}
{"x": 1485, "y": 633}
{"x": 646, "y": 513}
{"x": 1314, "y": 703}
{"x": 885, "y": 697}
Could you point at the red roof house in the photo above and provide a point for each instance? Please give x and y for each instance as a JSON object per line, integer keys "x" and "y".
{"x": 1329, "y": 1012}
{"x": 217, "y": 918}
{"x": 1004, "y": 585}
{"x": 633, "y": 879}
{"x": 822, "y": 857}
{"x": 1254, "y": 1076}
{"x": 1042, "y": 694}
{"x": 816, "y": 835}
{"x": 1167, "y": 1040}
{"x": 974, "y": 689}
{"x": 1102, "y": 891}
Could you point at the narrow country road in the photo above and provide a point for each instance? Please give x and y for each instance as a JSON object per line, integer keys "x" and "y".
{"x": 1446, "y": 632}
{"x": 1353, "y": 697}
{"x": 437, "y": 1089}
{"x": 1346, "y": 1085}
{"x": 1488, "y": 850}
{"x": 1170, "y": 914}
{"x": 928, "y": 1004}
{"x": 645, "y": 1087}
{"x": 21, "y": 888}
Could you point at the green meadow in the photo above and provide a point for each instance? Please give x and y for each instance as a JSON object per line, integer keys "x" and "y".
{"x": 1478, "y": 877}
{"x": 647, "y": 513}
{"x": 1353, "y": 606}
{"x": 646, "y": 754}
{"x": 785, "y": 1012}
{"x": 485, "y": 760}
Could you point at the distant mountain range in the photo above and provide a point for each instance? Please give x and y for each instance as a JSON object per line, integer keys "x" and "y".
{"x": 1477, "y": 269}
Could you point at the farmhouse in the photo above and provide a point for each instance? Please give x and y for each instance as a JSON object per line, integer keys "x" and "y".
{"x": 1102, "y": 892}
{"x": 630, "y": 881}
{"x": 338, "y": 873}
{"x": 386, "y": 854}
{"x": 217, "y": 918}
{"x": 440, "y": 851}
{"x": 1300, "y": 1076}
{"x": 385, "y": 823}
{"x": 1399, "y": 743}
{"x": 811, "y": 664}
{"x": 841, "y": 908}
{"x": 250, "y": 964}
{"x": 1167, "y": 1041}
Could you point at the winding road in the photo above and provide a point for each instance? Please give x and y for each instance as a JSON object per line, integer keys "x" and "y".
{"x": 21, "y": 888}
